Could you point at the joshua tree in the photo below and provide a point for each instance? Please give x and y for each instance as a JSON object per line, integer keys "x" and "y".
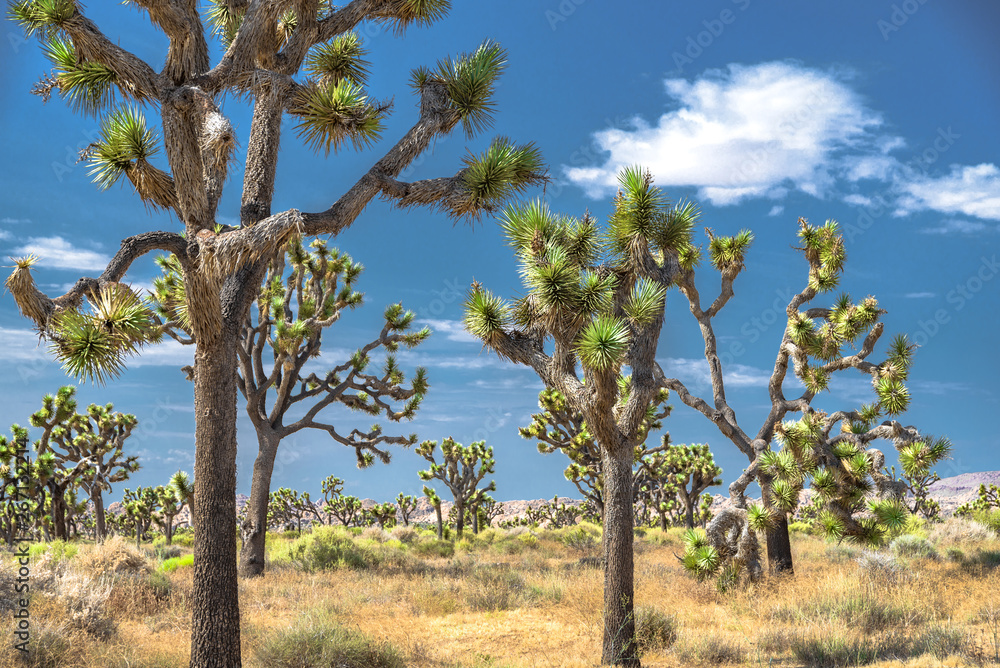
{"x": 488, "y": 509}
{"x": 915, "y": 460}
{"x": 140, "y": 508}
{"x": 266, "y": 44}
{"x": 600, "y": 317}
{"x": 681, "y": 471}
{"x": 561, "y": 428}
{"x": 848, "y": 477}
{"x": 168, "y": 506}
{"x": 987, "y": 498}
{"x": 292, "y": 312}
{"x": 384, "y": 514}
{"x": 347, "y": 509}
{"x": 99, "y": 442}
{"x": 184, "y": 492}
{"x": 406, "y": 504}
{"x": 435, "y": 502}
{"x": 462, "y": 469}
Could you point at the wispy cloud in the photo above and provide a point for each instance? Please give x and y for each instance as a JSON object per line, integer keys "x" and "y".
{"x": 969, "y": 190}
{"x": 168, "y": 353}
{"x": 696, "y": 373}
{"x": 956, "y": 227}
{"x": 453, "y": 330}
{"x": 747, "y": 131}
{"x": 920, "y": 295}
{"x": 20, "y": 345}
{"x": 57, "y": 253}
{"x": 5, "y": 234}
{"x": 776, "y": 210}
{"x": 15, "y": 221}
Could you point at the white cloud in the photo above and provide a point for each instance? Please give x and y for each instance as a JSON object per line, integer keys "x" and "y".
{"x": 858, "y": 200}
{"x": 920, "y": 295}
{"x": 968, "y": 190}
{"x": 956, "y": 227}
{"x": 453, "y": 330}
{"x": 4, "y": 234}
{"x": 749, "y": 131}
{"x": 776, "y": 210}
{"x": 167, "y": 353}
{"x": 695, "y": 373}
{"x": 21, "y": 344}
{"x": 57, "y": 253}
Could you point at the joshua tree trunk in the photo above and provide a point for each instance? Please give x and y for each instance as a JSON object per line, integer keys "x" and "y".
{"x": 440, "y": 519}
{"x": 254, "y": 529}
{"x": 215, "y": 624}
{"x": 100, "y": 530}
{"x": 619, "y": 646}
{"x": 779, "y": 547}
{"x": 58, "y": 513}
{"x": 459, "y": 517}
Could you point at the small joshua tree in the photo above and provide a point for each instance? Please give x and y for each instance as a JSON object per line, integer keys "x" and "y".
{"x": 435, "y": 501}
{"x": 916, "y": 459}
{"x": 558, "y": 427}
{"x": 184, "y": 492}
{"x": 384, "y": 514}
{"x": 168, "y": 506}
{"x": 462, "y": 469}
{"x": 681, "y": 471}
{"x": 346, "y": 509}
{"x": 987, "y": 499}
{"x": 406, "y": 505}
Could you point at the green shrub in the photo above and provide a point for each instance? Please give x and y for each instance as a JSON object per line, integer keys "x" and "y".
{"x": 434, "y": 548}
{"x": 955, "y": 554}
{"x": 909, "y": 545}
{"x": 464, "y": 545}
{"x": 709, "y": 649}
{"x": 172, "y": 564}
{"x": 328, "y": 548}
{"x": 529, "y": 539}
{"x": 660, "y": 537}
{"x": 325, "y": 645}
{"x": 989, "y": 518}
{"x": 57, "y": 550}
{"x": 183, "y": 537}
{"x": 495, "y": 587}
{"x": 577, "y": 538}
{"x": 802, "y": 527}
{"x": 165, "y": 552}
{"x": 508, "y": 545}
{"x": 404, "y": 534}
{"x": 654, "y": 629}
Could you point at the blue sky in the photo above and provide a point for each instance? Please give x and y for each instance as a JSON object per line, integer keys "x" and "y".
{"x": 877, "y": 114}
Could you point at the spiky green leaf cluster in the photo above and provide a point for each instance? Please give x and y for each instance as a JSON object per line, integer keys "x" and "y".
{"x": 504, "y": 169}
{"x": 89, "y": 87}
{"x": 341, "y": 58}
{"x": 331, "y": 112}
{"x": 470, "y": 81}
{"x": 603, "y": 343}
{"x": 729, "y": 253}
{"x": 125, "y": 140}
{"x": 41, "y": 16}
{"x": 94, "y": 346}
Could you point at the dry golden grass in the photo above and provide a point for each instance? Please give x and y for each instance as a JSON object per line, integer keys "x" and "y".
{"x": 522, "y": 606}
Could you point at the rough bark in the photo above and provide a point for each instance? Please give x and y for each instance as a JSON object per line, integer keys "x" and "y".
{"x": 101, "y": 527}
{"x": 619, "y": 646}
{"x": 215, "y": 624}
{"x": 254, "y": 529}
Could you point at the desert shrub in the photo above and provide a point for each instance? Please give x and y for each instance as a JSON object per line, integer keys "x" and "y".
{"x": 134, "y": 594}
{"x": 912, "y": 546}
{"x": 183, "y": 537}
{"x": 51, "y": 646}
{"x": 529, "y": 540}
{"x": 57, "y": 551}
{"x": 465, "y": 545}
{"x": 915, "y": 526}
{"x": 577, "y": 538}
{"x": 508, "y": 546}
{"x": 165, "y": 552}
{"x": 404, "y": 534}
{"x": 493, "y": 587}
{"x": 172, "y": 564}
{"x": 840, "y": 553}
{"x": 879, "y": 570}
{"x": 989, "y": 518}
{"x": 488, "y": 536}
{"x": 434, "y": 548}
{"x": 806, "y": 528}
{"x": 981, "y": 562}
{"x": 829, "y": 650}
{"x": 858, "y": 610}
{"x": 86, "y": 600}
{"x": 958, "y": 530}
{"x": 941, "y": 641}
{"x": 376, "y": 534}
{"x": 659, "y": 537}
{"x": 955, "y": 554}
{"x": 113, "y": 556}
{"x": 325, "y": 645}
{"x": 327, "y": 548}
{"x": 709, "y": 649}
{"x": 654, "y": 630}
